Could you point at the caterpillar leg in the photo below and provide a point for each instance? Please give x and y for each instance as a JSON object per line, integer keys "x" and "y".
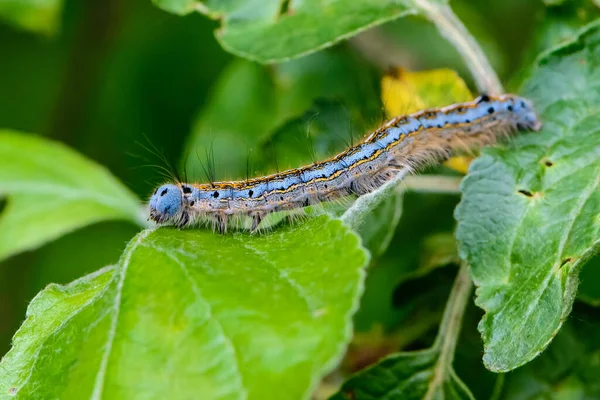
{"x": 183, "y": 221}
{"x": 221, "y": 223}
{"x": 256, "y": 219}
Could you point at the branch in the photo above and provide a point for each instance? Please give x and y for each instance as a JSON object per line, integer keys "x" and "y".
{"x": 453, "y": 30}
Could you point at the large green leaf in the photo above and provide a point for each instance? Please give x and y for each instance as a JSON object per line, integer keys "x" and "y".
{"x": 190, "y": 314}
{"x": 52, "y": 190}
{"x": 264, "y": 31}
{"x": 41, "y": 16}
{"x": 530, "y": 213}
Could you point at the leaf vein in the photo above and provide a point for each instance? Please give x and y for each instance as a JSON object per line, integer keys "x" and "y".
{"x": 101, "y": 374}
{"x": 210, "y": 316}
{"x": 283, "y": 275}
{"x": 57, "y": 329}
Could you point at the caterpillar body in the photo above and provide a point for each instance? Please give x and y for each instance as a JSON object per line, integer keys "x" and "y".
{"x": 400, "y": 146}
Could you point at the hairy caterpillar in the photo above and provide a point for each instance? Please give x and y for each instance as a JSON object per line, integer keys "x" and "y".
{"x": 400, "y": 146}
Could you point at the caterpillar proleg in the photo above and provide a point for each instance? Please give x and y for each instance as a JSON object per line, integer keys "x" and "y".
{"x": 402, "y": 145}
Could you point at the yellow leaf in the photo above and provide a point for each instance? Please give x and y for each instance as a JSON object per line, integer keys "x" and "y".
{"x": 459, "y": 163}
{"x": 404, "y": 92}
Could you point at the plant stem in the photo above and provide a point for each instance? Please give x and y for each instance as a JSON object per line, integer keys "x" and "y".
{"x": 498, "y": 386}
{"x": 453, "y": 30}
{"x": 450, "y": 326}
{"x": 354, "y": 216}
{"x": 433, "y": 184}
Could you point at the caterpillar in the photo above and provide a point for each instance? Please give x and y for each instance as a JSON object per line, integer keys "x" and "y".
{"x": 400, "y": 146}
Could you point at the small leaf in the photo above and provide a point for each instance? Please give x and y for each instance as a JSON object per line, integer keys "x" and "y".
{"x": 52, "y": 190}
{"x": 425, "y": 374}
{"x": 560, "y": 25}
{"x": 439, "y": 250}
{"x": 214, "y": 316}
{"x": 530, "y": 213}
{"x": 244, "y": 89}
{"x": 403, "y": 376}
{"x": 325, "y": 129}
{"x": 41, "y": 16}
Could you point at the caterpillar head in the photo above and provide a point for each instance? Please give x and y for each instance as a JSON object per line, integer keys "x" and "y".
{"x": 167, "y": 205}
{"x": 526, "y": 118}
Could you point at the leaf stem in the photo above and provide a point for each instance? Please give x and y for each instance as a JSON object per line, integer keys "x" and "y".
{"x": 433, "y": 184}
{"x": 450, "y": 326}
{"x": 354, "y": 216}
{"x": 453, "y": 30}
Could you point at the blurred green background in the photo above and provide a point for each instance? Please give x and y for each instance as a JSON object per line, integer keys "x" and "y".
{"x": 113, "y": 73}
{"x": 117, "y": 75}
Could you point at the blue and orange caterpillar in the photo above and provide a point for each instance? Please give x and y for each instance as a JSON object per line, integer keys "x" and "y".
{"x": 400, "y": 146}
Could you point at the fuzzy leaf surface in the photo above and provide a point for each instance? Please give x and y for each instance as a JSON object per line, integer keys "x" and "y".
{"x": 190, "y": 314}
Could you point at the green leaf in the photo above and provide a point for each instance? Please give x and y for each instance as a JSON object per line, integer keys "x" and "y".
{"x": 265, "y": 31}
{"x": 41, "y": 16}
{"x": 439, "y": 250}
{"x": 426, "y": 374}
{"x": 50, "y": 318}
{"x": 324, "y": 129}
{"x": 271, "y": 31}
{"x": 530, "y": 212}
{"x": 52, "y": 190}
{"x": 568, "y": 369}
{"x": 215, "y": 316}
{"x": 245, "y": 89}
{"x": 403, "y": 376}
{"x": 562, "y": 24}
